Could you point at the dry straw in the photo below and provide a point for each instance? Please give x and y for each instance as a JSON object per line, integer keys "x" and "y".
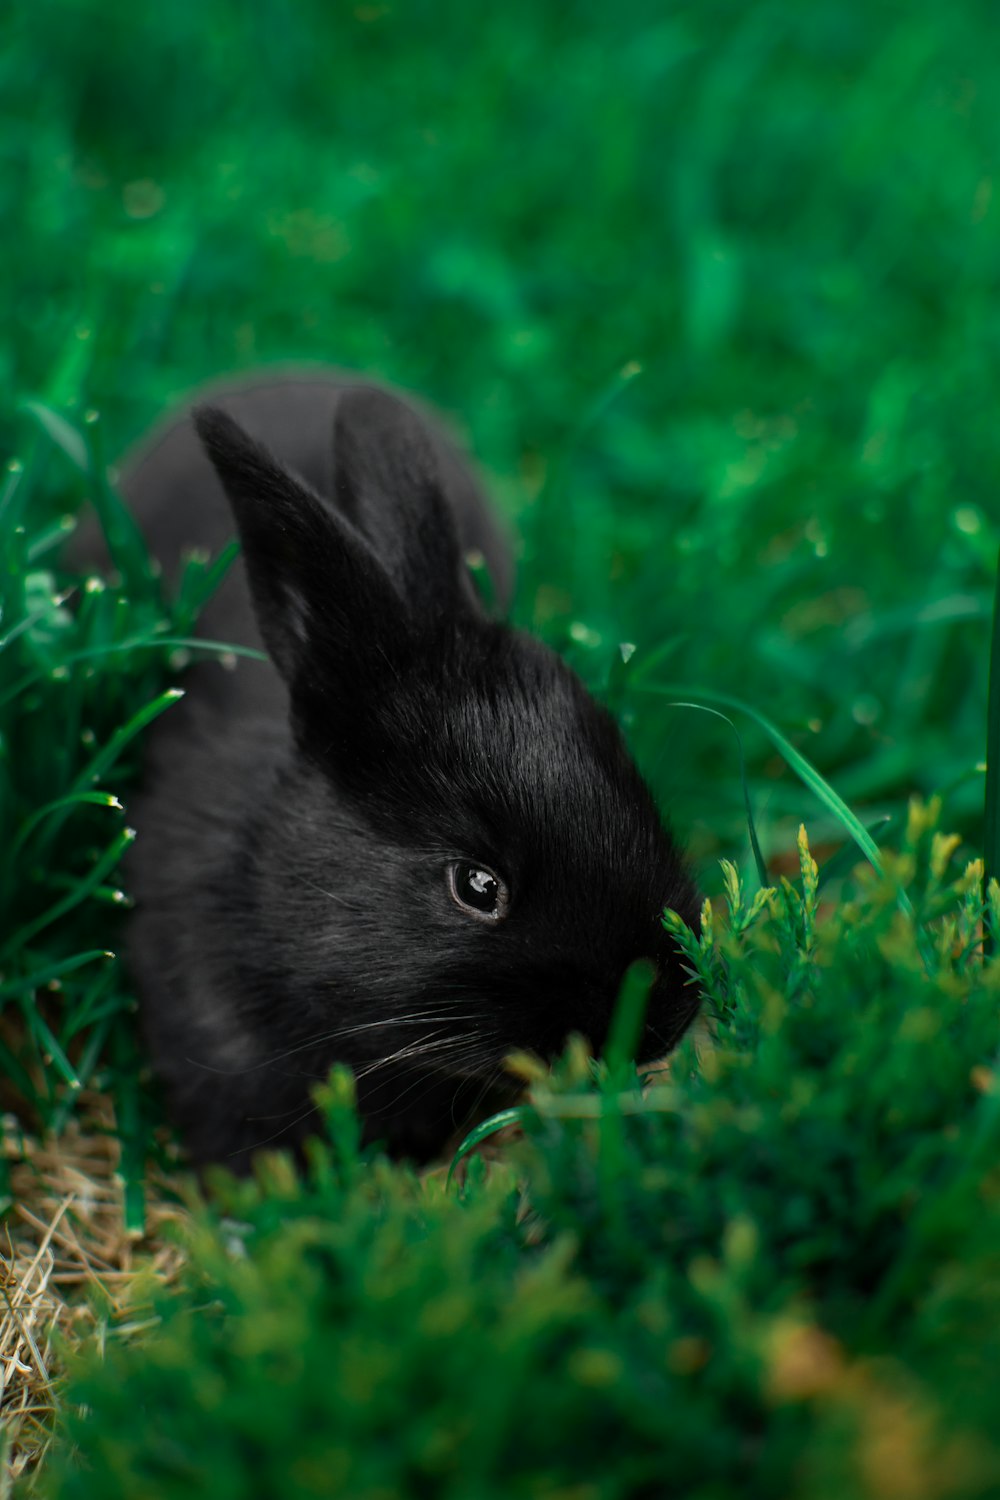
{"x": 69, "y": 1269}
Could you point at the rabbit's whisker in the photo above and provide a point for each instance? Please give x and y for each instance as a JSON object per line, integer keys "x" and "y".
{"x": 490, "y": 1081}
{"x": 443, "y": 1020}
{"x": 323, "y": 891}
{"x": 266, "y": 1062}
{"x": 322, "y": 1037}
{"x": 411, "y": 1020}
{"x": 433, "y": 1042}
{"x": 281, "y": 1114}
{"x": 466, "y": 1057}
{"x": 282, "y": 1130}
{"x": 663, "y": 1045}
{"x": 467, "y": 1047}
{"x": 330, "y": 895}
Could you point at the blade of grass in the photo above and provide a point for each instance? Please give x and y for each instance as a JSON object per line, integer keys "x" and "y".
{"x": 115, "y": 1006}
{"x": 94, "y": 877}
{"x": 196, "y": 643}
{"x": 629, "y": 1017}
{"x": 109, "y": 752}
{"x": 47, "y": 1043}
{"x": 135, "y": 643}
{"x": 124, "y": 537}
{"x": 605, "y": 398}
{"x": 110, "y": 895}
{"x": 991, "y": 822}
{"x": 12, "y": 484}
{"x": 50, "y": 536}
{"x": 904, "y": 619}
{"x": 61, "y": 433}
{"x": 643, "y": 662}
{"x": 76, "y": 799}
{"x": 133, "y": 1133}
{"x": 846, "y": 858}
{"x": 483, "y": 1131}
{"x": 85, "y": 1068}
{"x": 51, "y": 971}
{"x": 16, "y": 1073}
{"x": 796, "y": 761}
{"x": 92, "y": 1006}
{"x": 125, "y": 540}
{"x": 26, "y": 624}
{"x": 553, "y": 507}
{"x": 199, "y": 582}
{"x": 758, "y": 856}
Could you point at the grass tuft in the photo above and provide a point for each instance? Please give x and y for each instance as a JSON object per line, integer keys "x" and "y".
{"x": 735, "y": 1282}
{"x": 991, "y": 826}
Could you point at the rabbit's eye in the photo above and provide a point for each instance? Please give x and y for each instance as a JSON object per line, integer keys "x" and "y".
{"x": 478, "y": 891}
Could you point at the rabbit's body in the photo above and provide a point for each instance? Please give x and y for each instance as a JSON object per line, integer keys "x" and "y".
{"x": 413, "y": 843}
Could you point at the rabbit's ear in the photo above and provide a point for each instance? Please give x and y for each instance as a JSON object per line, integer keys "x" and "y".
{"x": 319, "y": 592}
{"x": 387, "y": 478}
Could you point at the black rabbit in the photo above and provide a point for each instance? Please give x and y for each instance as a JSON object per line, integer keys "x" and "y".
{"x": 412, "y": 844}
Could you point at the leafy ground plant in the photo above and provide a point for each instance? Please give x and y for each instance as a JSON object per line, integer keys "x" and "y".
{"x": 772, "y": 1273}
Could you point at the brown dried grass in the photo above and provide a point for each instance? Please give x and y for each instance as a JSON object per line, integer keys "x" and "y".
{"x": 69, "y": 1269}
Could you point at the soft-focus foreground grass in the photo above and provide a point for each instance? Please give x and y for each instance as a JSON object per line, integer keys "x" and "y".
{"x": 775, "y": 1275}
{"x": 712, "y": 291}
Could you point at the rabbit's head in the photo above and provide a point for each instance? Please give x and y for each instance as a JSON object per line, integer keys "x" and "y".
{"x": 460, "y": 859}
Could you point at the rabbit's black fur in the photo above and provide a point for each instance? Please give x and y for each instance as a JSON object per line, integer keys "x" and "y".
{"x": 298, "y": 820}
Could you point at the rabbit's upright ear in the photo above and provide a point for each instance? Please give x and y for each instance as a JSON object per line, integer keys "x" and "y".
{"x": 320, "y": 594}
{"x": 387, "y": 479}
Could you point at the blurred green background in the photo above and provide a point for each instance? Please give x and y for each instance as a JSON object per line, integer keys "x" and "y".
{"x": 783, "y": 213}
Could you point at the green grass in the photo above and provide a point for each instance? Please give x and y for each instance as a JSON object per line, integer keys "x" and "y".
{"x": 712, "y": 291}
{"x": 783, "y": 215}
{"x": 774, "y": 1275}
